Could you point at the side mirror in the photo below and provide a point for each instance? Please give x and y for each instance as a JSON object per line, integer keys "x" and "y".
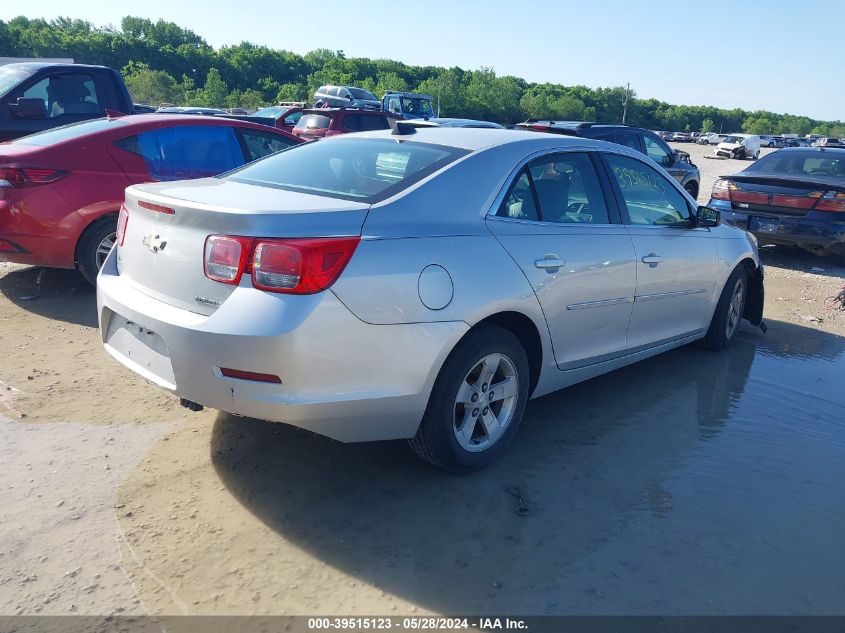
{"x": 29, "y": 108}
{"x": 707, "y": 217}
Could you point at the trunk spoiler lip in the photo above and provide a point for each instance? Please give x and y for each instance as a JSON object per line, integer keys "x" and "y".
{"x": 828, "y": 183}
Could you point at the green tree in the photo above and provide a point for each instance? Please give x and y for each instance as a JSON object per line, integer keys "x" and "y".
{"x": 757, "y": 125}
{"x": 292, "y": 92}
{"x": 707, "y": 126}
{"x": 150, "y": 86}
{"x": 213, "y": 94}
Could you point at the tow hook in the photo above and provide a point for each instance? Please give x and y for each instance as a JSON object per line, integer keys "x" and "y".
{"x": 189, "y": 404}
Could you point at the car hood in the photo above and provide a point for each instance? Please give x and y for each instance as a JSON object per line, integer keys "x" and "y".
{"x": 728, "y": 145}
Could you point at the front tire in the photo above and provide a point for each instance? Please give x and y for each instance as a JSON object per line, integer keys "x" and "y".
{"x": 94, "y": 247}
{"x": 728, "y": 314}
{"x": 477, "y": 402}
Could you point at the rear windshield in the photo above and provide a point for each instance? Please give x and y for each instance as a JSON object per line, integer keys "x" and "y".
{"x": 313, "y": 122}
{"x": 360, "y": 93}
{"x": 809, "y": 163}
{"x": 273, "y": 112}
{"x": 361, "y": 169}
{"x": 69, "y": 132}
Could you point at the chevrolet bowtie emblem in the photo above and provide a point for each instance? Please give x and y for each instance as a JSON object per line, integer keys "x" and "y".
{"x": 154, "y": 242}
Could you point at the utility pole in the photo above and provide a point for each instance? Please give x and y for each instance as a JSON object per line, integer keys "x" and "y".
{"x": 625, "y": 103}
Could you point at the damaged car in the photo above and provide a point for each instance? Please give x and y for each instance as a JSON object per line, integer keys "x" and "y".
{"x": 739, "y": 146}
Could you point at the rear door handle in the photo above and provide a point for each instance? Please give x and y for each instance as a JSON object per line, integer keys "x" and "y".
{"x": 549, "y": 262}
{"x": 652, "y": 259}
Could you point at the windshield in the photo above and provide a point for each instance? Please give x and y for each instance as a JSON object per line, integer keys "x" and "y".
{"x": 360, "y": 93}
{"x": 10, "y": 77}
{"x": 417, "y": 106}
{"x": 68, "y": 132}
{"x": 733, "y": 139}
{"x": 367, "y": 170}
{"x": 273, "y": 112}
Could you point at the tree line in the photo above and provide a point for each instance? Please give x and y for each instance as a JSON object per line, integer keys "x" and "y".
{"x": 165, "y": 63}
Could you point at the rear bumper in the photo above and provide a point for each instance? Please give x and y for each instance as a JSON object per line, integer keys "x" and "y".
{"x": 341, "y": 377}
{"x": 809, "y": 232}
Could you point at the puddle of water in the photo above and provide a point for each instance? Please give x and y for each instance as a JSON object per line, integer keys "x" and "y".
{"x": 694, "y": 483}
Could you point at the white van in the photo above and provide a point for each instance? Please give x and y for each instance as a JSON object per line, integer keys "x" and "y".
{"x": 739, "y": 146}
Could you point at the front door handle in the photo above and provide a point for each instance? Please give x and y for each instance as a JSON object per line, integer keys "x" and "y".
{"x": 549, "y": 261}
{"x": 652, "y": 259}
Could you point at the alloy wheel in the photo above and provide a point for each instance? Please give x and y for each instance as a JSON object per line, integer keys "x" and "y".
{"x": 103, "y": 249}
{"x": 735, "y": 308}
{"x": 485, "y": 403}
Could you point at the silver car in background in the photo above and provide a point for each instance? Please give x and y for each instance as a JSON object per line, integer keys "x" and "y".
{"x": 420, "y": 284}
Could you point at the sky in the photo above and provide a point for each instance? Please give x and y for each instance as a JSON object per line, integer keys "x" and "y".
{"x": 768, "y": 55}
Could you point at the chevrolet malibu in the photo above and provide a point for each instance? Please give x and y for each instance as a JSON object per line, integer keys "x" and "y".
{"x": 419, "y": 284}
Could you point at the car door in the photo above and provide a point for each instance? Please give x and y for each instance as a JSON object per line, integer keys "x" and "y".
{"x": 257, "y": 144}
{"x": 661, "y": 154}
{"x": 563, "y": 231}
{"x": 68, "y": 97}
{"x": 178, "y": 153}
{"x": 676, "y": 261}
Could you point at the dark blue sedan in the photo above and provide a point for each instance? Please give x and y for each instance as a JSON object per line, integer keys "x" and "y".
{"x": 793, "y": 196}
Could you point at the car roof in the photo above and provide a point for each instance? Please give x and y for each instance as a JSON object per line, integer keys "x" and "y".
{"x": 335, "y": 110}
{"x": 474, "y": 138}
{"x": 837, "y": 151}
{"x": 397, "y": 93}
{"x": 34, "y": 66}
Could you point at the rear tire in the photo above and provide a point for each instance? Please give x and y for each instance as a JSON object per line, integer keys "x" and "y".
{"x": 94, "y": 247}
{"x": 470, "y": 418}
{"x": 692, "y": 189}
{"x": 728, "y": 314}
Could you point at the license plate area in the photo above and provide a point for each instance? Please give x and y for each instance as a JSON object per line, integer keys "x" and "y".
{"x": 763, "y": 225}
{"x": 142, "y": 349}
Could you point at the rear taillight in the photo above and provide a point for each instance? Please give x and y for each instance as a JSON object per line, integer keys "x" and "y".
{"x": 17, "y": 177}
{"x": 831, "y": 201}
{"x": 300, "y": 266}
{"x": 794, "y": 202}
{"x": 293, "y": 266}
{"x": 122, "y": 221}
{"x": 226, "y": 257}
{"x": 721, "y": 190}
{"x": 749, "y": 197}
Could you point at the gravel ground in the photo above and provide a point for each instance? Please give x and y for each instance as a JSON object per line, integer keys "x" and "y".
{"x": 711, "y": 168}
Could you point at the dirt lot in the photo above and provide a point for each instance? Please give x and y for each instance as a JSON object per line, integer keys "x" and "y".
{"x": 708, "y": 484}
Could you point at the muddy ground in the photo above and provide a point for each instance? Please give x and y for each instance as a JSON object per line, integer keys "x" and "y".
{"x": 692, "y": 483}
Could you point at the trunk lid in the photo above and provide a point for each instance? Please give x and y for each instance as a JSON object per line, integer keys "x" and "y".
{"x": 776, "y": 194}
{"x": 163, "y": 245}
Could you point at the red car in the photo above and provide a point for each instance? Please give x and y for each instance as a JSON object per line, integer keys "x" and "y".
{"x": 320, "y": 122}
{"x": 61, "y": 190}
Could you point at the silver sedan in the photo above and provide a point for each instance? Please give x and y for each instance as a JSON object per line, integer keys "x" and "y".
{"x": 420, "y": 284}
